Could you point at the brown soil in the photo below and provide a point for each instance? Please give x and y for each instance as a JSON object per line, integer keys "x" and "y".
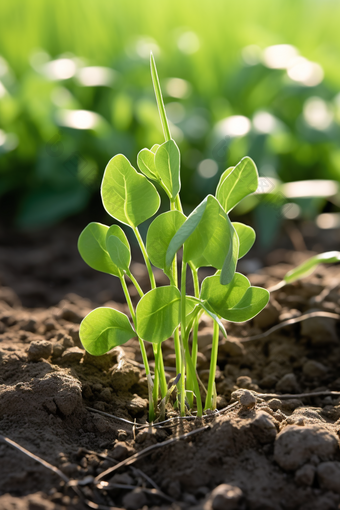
{"x": 262, "y": 453}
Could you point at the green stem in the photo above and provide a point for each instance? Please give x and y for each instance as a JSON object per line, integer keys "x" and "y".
{"x": 213, "y": 362}
{"x": 195, "y": 330}
{"x": 159, "y": 367}
{"x": 136, "y": 284}
{"x": 159, "y": 99}
{"x": 141, "y": 343}
{"x": 183, "y": 325}
{"x": 192, "y": 372}
{"x": 146, "y": 258}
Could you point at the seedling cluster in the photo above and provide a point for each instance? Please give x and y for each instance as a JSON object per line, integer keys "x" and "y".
{"x": 208, "y": 238}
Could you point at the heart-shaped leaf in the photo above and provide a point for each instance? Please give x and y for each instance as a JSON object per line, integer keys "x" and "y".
{"x": 230, "y": 262}
{"x": 146, "y": 164}
{"x": 253, "y": 301}
{"x": 246, "y": 237}
{"x": 161, "y": 231}
{"x": 92, "y": 247}
{"x": 167, "y": 162}
{"x": 119, "y": 253}
{"x": 158, "y": 314}
{"x": 237, "y": 183}
{"x": 309, "y": 265}
{"x": 103, "y": 329}
{"x": 127, "y": 195}
{"x": 207, "y": 235}
{"x": 221, "y": 298}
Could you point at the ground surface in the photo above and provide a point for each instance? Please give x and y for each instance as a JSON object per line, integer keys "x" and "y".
{"x": 267, "y": 452}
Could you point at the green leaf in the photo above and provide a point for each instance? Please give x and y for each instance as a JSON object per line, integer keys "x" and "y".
{"x": 237, "y": 183}
{"x": 159, "y": 235}
{"x": 154, "y": 147}
{"x": 158, "y": 314}
{"x": 253, "y": 301}
{"x": 146, "y": 164}
{"x": 159, "y": 99}
{"x": 119, "y": 253}
{"x": 230, "y": 262}
{"x": 195, "y": 305}
{"x": 221, "y": 298}
{"x": 103, "y": 329}
{"x": 127, "y": 195}
{"x": 92, "y": 248}
{"x": 246, "y": 237}
{"x": 308, "y": 267}
{"x": 207, "y": 235}
{"x": 167, "y": 162}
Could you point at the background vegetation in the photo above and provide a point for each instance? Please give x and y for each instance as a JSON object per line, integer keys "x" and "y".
{"x": 75, "y": 89}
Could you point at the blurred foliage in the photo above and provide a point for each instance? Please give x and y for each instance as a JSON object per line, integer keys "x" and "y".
{"x": 75, "y": 89}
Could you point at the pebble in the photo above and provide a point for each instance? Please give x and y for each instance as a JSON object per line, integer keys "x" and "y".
{"x": 275, "y": 404}
{"x": 328, "y": 474}
{"x": 72, "y": 355}
{"x": 58, "y": 349}
{"x": 120, "y": 451}
{"x": 39, "y": 349}
{"x": 243, "y": 381}
{"x": 294, "y": 445}
{"x": 124, "y": 375}
{"x": 135, "y": 499}
{"x": 287, "y": 384}
{"x": 269, "y": 381}
{"x": 67, "y": 341}
{"x": 247, "y": 399}
{"x": 263, "y": 427}
{"x": 231, "y": 347}
{"x": 305, "y": 475}
{"x": 314, "y": 369}
{"x": 226, "y": 497}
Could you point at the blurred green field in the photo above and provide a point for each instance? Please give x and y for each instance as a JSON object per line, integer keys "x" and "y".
{"x": 61, "y": 119}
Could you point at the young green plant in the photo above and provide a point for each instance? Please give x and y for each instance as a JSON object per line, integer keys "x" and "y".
{"x": 207, "y": 237}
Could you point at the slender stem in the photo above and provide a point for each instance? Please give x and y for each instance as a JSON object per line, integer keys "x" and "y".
{"x": 159, "y": 366}
{"x": 159, "y": 99}
{"x": 213, "y": 362}
{"x": 192, "y": 372}
{"x": 146, "y": 258}
{"x": 178, "y": 355}
{"x": 136, "y": 284}
{"x": 183, "y": 324}
{"x": 178, "y": 203}
{"x": 141, "y": 343}
{"x": 195, "y": 330}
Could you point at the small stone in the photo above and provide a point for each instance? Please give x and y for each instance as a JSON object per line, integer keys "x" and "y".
{"x": 275, "y": 404}
{"x": 72, "y": 355}
{"x": 231, "y": 347}
{"x": 120, "y": 451}
{"x": 58, "y": 349}
{"x": 122, "y": 435}
{"x": 243, "y": 381}
{"x": 28, "y": 325}
{"x": 67, "y": 341}
{"x": 269, "y": 381}
{"x": 314, "y": 369}
{"x": 226, "y": 497}
{"x": 123, "y": 478}
{"x": 294, "y": 445}
{"x": 321, "y": 330}
{"x": 39, "y": 349}
{"x": 135, "y": 499}
{"x": 263, "y": 427}
{"x": 69, "y": 468}
{"x": 329, "y": 476}
{"x": 147, "y": 435}
{"x": 247, "y": 399}
{"x": 50, "y": 325}
{"x": 124, "y": 375}
{"x": 305, "y": 475}
{"x": 287, "y": 384}
{"x": 71, "y": 313}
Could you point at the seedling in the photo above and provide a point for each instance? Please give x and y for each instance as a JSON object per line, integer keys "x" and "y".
{"x": 208, "y": 238}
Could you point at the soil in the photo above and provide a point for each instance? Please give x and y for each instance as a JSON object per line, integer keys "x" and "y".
{"x": 269, "y": 448}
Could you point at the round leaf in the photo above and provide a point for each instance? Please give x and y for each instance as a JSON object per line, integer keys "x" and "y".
{"x": 221, "y": 298}
{"x": 253, "y": 301}
{"x": 92, "y": 248}
{"x": 161, "y": 231}
{"x": 127, "y": 195}
{"x": 103, "y": 329}
{"x": 158, "y": 314}
{"x": 246, "y": 237}
{"x": 146, "y": 163}
{"x": 237, "y": 183}
{"x": 119, "y": 253}
{"x": 167, "y": 162}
